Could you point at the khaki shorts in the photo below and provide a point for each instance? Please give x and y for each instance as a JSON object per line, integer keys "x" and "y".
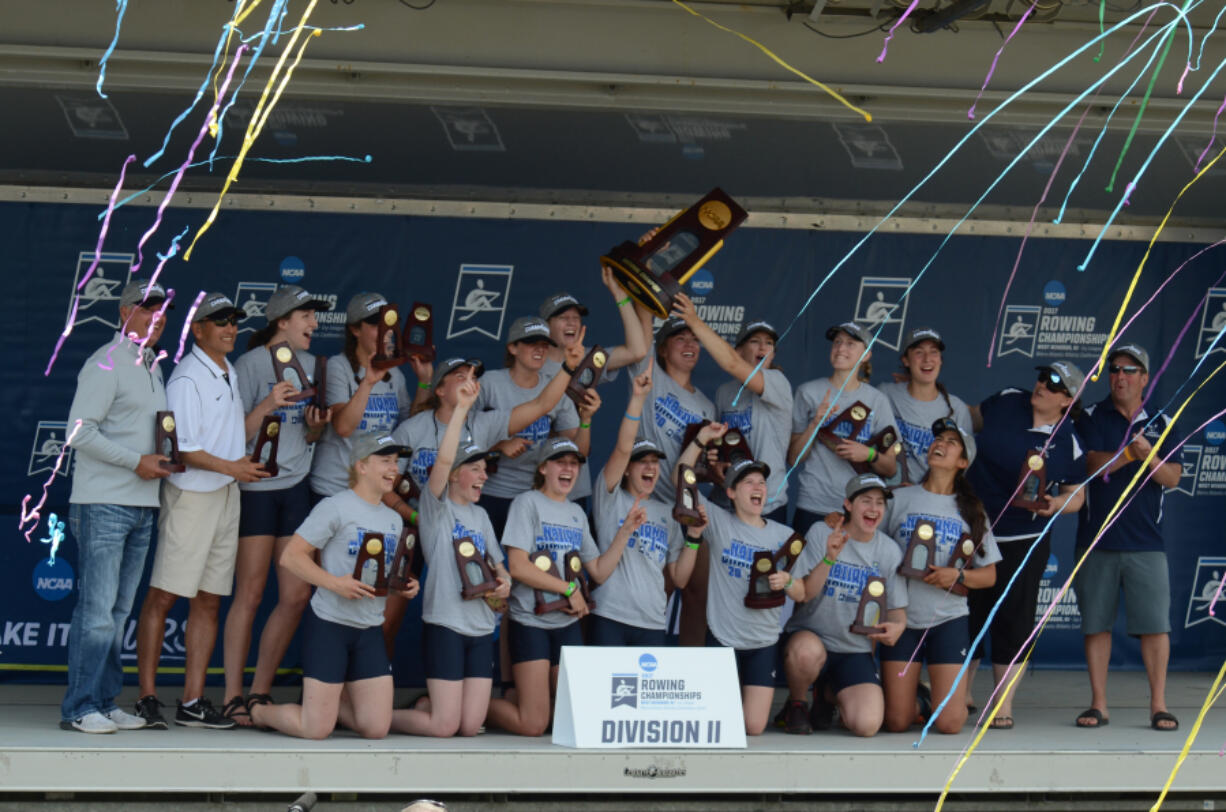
{"x": 197, "y": 541}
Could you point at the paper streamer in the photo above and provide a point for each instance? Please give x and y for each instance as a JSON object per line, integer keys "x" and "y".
{"x": 270, "y": 33}
{"x": 1187, "y": 745}
{"x": 32, "y": 515}
{"x": 890, "y": 34}
{"x": 121, "y": 6}
{"x": 991, "y": 70}
{"x": 187, "y": 324}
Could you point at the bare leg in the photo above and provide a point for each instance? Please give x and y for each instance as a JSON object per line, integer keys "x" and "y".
{"x": 953, "y": 717}
{"x": 315, "y": 718}
{"x": 1002, "y": 675}
{"x": 199, "y": 640}
{"x": 365, "y": 706}
{"x": 862, "y": 708}
{"x": 441, "y": 718}
{"x": 150, "y": 633}
{"x": 293, "y": 595}
{"x": 802, "y": 662}
{"x": 756, "y": 706}
{"x": 899, "y": 693}
{"x": 1155, "y": 652}
{"x": 528, "y": 715}
{"x": 1098, "y": 657}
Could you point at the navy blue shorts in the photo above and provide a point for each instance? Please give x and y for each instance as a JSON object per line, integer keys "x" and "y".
{"x": 843, "y": 670}
{"x": 528, "y": 643}
{"x": 335, "y": 653}
{"x": 273, "y": 513}
{"x": 945, "y": 644}
{"x": 604, "y": 631}
{"x": 754, "y": 666}
{"x": 452, "y": 656}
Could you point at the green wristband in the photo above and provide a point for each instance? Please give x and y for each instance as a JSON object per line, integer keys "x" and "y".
{"x": 423, "y": 384}
{"x": 570, "y": 588}
{"x": 694, "y": 545}
{"x": 827, "y": 561}
{"x": 872, "y": 454}
{"x": 585, "y": 425}
{"x": 624, "y": 302}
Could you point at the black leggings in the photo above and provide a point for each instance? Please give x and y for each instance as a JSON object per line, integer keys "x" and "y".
{"x": 1015, "y": 618}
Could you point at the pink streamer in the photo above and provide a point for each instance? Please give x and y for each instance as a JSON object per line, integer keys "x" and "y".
{"x": 1212, "y": 135}
{"x": 35, "y": 515}
{"x": 971, "y": 113}
{"x": 890, "y": 35}
{"x": 187, "y": 324}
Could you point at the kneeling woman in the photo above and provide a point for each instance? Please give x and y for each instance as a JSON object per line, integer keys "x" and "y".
{"x": 733, "y": 536}
{"x": 544, "y": 520}
{"x": 935, "y": 614}
{"x": 345, "y": 671}
{"x": 458, "y": 634}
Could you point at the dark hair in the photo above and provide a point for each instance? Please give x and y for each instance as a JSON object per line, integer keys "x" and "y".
{"x": 538, "y": 480}
{"x": 1074, "y": 410}
{"x": 945, "y": 394}
{"x": 970, "y": 508}
{"x": 866, "y": 369}
{"x": 430, "y": 404}
{"x": 508, "y": 359}
{"x": 262, "y": 336}
{"x": 351, "y": 354}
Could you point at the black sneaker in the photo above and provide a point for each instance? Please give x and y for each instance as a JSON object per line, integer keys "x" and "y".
{"x": 796, "y": 718}
{"x": 202, "y": 714}
{"x": 150, "y": 709}
{"x": 821, "y": 715}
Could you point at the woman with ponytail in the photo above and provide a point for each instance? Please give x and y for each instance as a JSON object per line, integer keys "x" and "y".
{"x": 938, "y": 631}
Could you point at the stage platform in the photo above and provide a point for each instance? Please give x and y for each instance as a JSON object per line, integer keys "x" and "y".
{"x": 1044, "y": 754}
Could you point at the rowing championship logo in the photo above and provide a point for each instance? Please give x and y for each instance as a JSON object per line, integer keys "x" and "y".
{"x": 882, "y": 303}
{"x": 1205, "y": 588}
{"x": 49, "y": 438}
{"x": 99, "y": 298}
{"x": 480, "y": 301}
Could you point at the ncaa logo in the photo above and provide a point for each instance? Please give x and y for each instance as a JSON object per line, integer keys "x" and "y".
{"x": 1212, "y": 322}
{"x": 1215, "y": 433}
{"x": 881, "y": 308}
{"x": 702, "y": 283}
{"x": 1191, "y": 470}
{"x": 99, "y": 299}
{"x": 1052, "y": 568}
{"x": 292, "y": 271}
{"x": 49, "y": 439}
{"x": 53, "y": 580}
{"x": 1054, "y": 294}
{"x": 1205, "y": 586}
{"x": 648, "y": 663}
{"x": 1021, "y": 329}
{"x": 252, "y": 299}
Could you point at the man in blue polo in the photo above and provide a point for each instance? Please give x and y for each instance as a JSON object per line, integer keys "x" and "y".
{"x": 1130, "y": 554}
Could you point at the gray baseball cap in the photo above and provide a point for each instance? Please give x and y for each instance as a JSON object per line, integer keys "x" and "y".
{"x": 1069, "y": 373}
{"x": 556, "y": 447}
{"x": 852, "y": 329}
{"x": 755, "y": 327}
{"x": 670, "y": 328}
{"x": 1134, "y": 351}
{"x": 917, "y": 334}
{"x": 217, "y": 306}
{"x": 529, "y": 328}
{"x": 642, "y": 448}
{"x": 860, "y": 483}
{"x": 142, "y": 292}
{"x": 288, "y": 298}
{"x": 445, "y": 368}
{"x": 558, "y": 302}
{"x": 949, "y": 424}
{"x": 469, "y": 453}
{"x": 363, "y": 306}
{"x": 374, "y": 442}
{"x": 742, "y": 467}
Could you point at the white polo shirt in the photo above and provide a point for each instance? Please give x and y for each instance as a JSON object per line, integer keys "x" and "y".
{"x": 209, "y": 417}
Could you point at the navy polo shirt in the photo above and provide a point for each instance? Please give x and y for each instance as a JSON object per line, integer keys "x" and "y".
{"x": 1008, "y": 436}
{"x": 1103, "y": 428}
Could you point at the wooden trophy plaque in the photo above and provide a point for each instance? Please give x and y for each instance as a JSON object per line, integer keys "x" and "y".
{"x": 729, "y": 450}
{"x": 476, "y": 575}
{"x": 321, "y": 383}
{"x": 574, "y": 571}
{"x": 389, "y": 341}
{"x": 419, "y": 332}
{"x": 882, "y": 442}
{"x": 871, "y": 610}
{"x": 547, "y": 602}
{"x": 285, "y": 360}
{"x": 1031, "y": 496}
{"x": 403, "y": 559}
{"x": 702, "y": 469}
{"x": 587, "y": 374}
{"x": 369, "y": 567}
{"x": 652, "y": 273}
{"x": 921, "y": 551}
{"x": 760, "y": 595}
{"x": 960, "y": 559}
{"x": 856, "y": 414}
{"x": 685, "y": 510}
{"x": 270, "y": 435}
{"x": 166, "y": 443}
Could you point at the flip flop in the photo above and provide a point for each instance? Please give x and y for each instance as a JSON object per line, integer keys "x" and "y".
{"x": 1163, "y": 716}
{"x": 1002, "y": 723}
{"x": 1092, "y": 715}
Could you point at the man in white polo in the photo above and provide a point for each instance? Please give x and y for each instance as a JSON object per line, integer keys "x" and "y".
{"x": 198, "y": 523}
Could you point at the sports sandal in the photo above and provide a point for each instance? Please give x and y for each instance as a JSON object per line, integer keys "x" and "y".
{"x": 1092, "y": 718}
{"x": 252, "y": 701}
{"x": 1163, "y": 716}
{"x": 1002, "y": 723}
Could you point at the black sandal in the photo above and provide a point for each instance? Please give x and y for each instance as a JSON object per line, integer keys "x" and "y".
{"x": 252, "y": 701}
{"x": 236, "y": 708}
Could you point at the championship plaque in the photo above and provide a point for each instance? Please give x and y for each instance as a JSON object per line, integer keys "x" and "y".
{"x": 729, "y": 450}
{"x": 547, "y": 602}
{"x": 921, "y": 551}
{"x": 403, "y": 560}
{"x": 166, "y": 443}
{"x": 760, "y": 595}
{"x": 369, "y": 567}
{"x": 574, "y": 571}
{"x": 287, "y": 367}
{"x": 1034, "y": 483}
{"x": 960, "y": 559}
{"x": 321, "y": 383}
{"x": 871, "y": 610}
{"x": 702, "y": 469}
{"x": 856, "y": 414}
{"x": 419, "y": 332}
{"x": 882, "y": 442}
{"x": 404, "y": 498}
{"x": 270, "y": 435}
{"x": 587, "y": 374}
{"x": 685, "y": 510}
{"x": 389, "y": 343}
{"x": 652, "y": 273}
{"x": 476, "y": 575}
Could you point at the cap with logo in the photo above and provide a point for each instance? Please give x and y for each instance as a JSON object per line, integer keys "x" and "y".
{"x": 142, "y": 292}
{"x": 850, "y": 328}
{"x": 288, "y": 298}
{"x": 556, "y": 447}
{"x": 558, "y": 302}
{"x": 642, "y": 448}
{"x": 942, "y": 424}
{"x": 445, "y": 368}
{"x": 917, "y": 334}
{"x": 670, "y": 328}
{"x": 755, "y": 327}
{"x": 374, "y": 442}
{"x": 1070, "y": 374}
{"x": 469, "y": 453}
{"x": 1134, "y": 351}
{"x": 530, "y": 329}
{"x": 742, "y": 467}
{"x": 860, "y": 483}
{"x": 217, "y": 306}
{"x": 363, "y": 306}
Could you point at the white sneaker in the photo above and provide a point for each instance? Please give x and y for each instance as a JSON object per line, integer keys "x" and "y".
{"x": 126, "y": 721}
{"x": 92, "y": 722}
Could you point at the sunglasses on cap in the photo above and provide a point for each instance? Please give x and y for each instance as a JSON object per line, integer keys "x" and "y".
{"x": 1130, "y": 369}
{"x": 944, "y": 424}
{"x": 226, "y": 321}
{"x": 1054, "y": 383}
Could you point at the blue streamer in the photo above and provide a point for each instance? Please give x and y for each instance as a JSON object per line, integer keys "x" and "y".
{"x": 121, "y": 6}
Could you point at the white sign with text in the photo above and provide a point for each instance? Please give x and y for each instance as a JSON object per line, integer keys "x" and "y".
{"x": 648, "y": 697}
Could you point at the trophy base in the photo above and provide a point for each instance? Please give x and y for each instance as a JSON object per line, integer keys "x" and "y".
{"x": 172, "y": 467}
{"x": 422, "y": 353}
{"x": 912, "y": 572}
{"x": 495, "y": 603}
{"x": 305, "y": 394}
{"x": 688, "y": 520}
{"x": 470, "y": 592}
{"x": 271, "y": 467}
{"x": 652, "y": 292}
{"x": 856, "y": 628}
{"x": 771, "y": 601}
{"x": 385, "y": 362}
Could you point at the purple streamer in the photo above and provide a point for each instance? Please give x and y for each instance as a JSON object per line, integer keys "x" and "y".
{"x": 187, "y": 324}
{"x": 1212, "y": 135}
{"x": 889, "y": 36}
{"x": 971, "y": 113}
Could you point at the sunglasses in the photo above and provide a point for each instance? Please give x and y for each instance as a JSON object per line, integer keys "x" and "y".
{"x": 1054, "y": 383}
{"x": 1116, "y": 369}
{"x": 226, "y": 321}
{"x": 373, "y": 321}
{"x": 946, "y": 424}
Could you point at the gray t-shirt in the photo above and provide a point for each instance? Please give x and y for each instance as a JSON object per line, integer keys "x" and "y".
{"x": 423, "y": 432}
{"x": 634, "y": 593}
{"x": 915, "y": 419}
{"x": 255, "y": 381}
{"x": 536, "y": 522}
{"x": 824, "y": 474}
{"x": 499, "y": 392}
{"x": 731, "y": 544}
{"x": 335, "y": 527}
{"x": 930, "y": 605}
{"x": 669, "y": 409}
{"x": 442, "y": 522}
{"x": 388, "y": 404}
{"x": 830, "y": 614}
{"x": 766, "y": 422}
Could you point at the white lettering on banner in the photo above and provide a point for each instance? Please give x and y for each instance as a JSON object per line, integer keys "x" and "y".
{"x": 1044, "y": 332}
{"x": 638, "y": 697}
{"x": 54, "y": 635}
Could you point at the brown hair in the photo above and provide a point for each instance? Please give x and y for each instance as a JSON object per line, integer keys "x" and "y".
{"x": 262, "y": 336}
{"x": 865, "y": 370}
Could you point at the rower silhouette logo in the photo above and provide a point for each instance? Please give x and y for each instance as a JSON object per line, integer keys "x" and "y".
{"x": 882, "y": 303}
{"x": 1212, "y": 322}
{"x": 99, "y": 298}
{"x": 1206, "y": 584}
{"x": 1191, "y": 470}
{"x": 625, "y": 691}
{"x": 480, "y": 301}
{"x": 1019, "y": 331}
{"x": 49, "y": 439}
{"x": 252, "y": 299}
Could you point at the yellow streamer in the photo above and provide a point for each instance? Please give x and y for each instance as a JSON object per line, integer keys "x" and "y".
{"x": 1187, "y": 745}
{"x": 779, "y": 61}
{"x": 259, "y": 117}
{"x": 1136, "y": 277}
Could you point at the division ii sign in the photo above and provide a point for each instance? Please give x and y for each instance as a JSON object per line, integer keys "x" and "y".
{"x": 648, "y": 697}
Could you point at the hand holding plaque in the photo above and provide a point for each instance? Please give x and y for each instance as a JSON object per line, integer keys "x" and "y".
{"x": 389, "y": 343}
{"x": 587, "y": 374}
{"x": 1032, "y": 495}
{"x": 287, "y": 367}
{"x": 166, "y": 443}
{"x": 760, "y": 595}
{"x": 960, "y": 559}
{"x": 547, "y": 602}
{"x": 882, "y": 442}
{"x": 921, "y": 551}
{"x": 369, "y": 567}
{"x": 871, "y": 610}
{"x": 476, "y": 575}
{"x": 419, "y": 332}
{"x": 856, "y": 414}
{"x": 653, "y": 273}
{"x": 574, "y": 571}
{"x": 702, "y": 468}
{"x": 685, "y": 510}
{"x": 270, "y": 435}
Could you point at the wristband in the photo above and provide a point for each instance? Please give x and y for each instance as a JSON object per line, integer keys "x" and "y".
{"x": 1128, "y": 455}
{"x": 872, "y": 454}
{"x": 570, "y": 588}
{"x": 567, "y": 369}
{"x": 961, "y": 577}
{"x": 693, "y": 544}
{"x": 791, "y": 581}
{"x": 624, "y": 302}
{"x": 585, "y": 425}
{"x": 700, "y": 444}
{"x": 423, "y": 384}
{"x": 632, "y": 417}
{"x": 827, "y": 561}
{"x": 413, "y": 517}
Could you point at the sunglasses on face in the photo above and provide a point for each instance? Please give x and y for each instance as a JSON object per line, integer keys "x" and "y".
{"x": 1054, "y": 383}
{"x": 225, "y": 321}
{"x": 1116, "y": 369}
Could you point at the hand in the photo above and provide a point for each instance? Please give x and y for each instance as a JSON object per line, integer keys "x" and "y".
{"x": 349, "y": 587}
{"x": 245, "y": 469}
{"x": 778, "y": 579}
{"x": 1140, "y": 447}
{"x": 852, "y": 451}
{"x": 575, "y": 352}
{"x": 411, "y": 588}
{"x": 636, "y": 517}
{"x": 710, "y": 431}
{"x": 280, "y": 395}
{"x": 590, "y": 405}
{"x": 902, "y": 376}
{"x": 466, "y": 395}
{"x": 423, "y": 369}
{"x": 640, "y": 387}
{"x": 512, "y": 447}
{"x": 836, "y": 540}
{"x": 697, "y": 529}
{"x": 150, "y": 466}
{"x": 610, "y": 282}
{"x": 648, "y": 235}
{"x": 1053, "y": 506}
{"x": 815, "y": 423}
{"x": 316, "y": 419}
{"x": 893, "y": 631}
{"x": 943, "y": 577}
{"x": 578, "y": 606}
{"x": 504, "y": 588}
{"x": 683, "y": 306}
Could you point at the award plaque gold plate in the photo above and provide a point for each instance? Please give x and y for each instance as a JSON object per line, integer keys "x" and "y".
{"x": 587, "y": 374}
{"x": 476, "y": 574}
{"x": 1031, "y": 495}
{"x": 403, "y": 558}
{"x": 921, "y": 551}
{"x": 389, "y": 342}
{"x": 369, "y": 566}
{"x": 856, "y": 414}
{"x": 419, "y": 332}
{"x": 547, "y": 602}
{"x": 685, "y": 510}
{"x": 287, "y": 367}
{"x": 270, "y": 435}
{"x": 871, "y": 610}
{"x": 166, "y": 442}
{"x": 760, "y": 595}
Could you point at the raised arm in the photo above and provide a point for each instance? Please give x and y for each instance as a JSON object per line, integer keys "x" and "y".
{"x": 635, "y": 348}
{"x": 528, "y": 412}
{"x": 466, "y": 395}
{"x": 640, "y": 387}
{"x": 721, "y": 351}
{"x": 602, "y": 567}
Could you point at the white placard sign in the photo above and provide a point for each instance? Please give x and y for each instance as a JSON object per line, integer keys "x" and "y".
{"x": 648, "y": 697}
